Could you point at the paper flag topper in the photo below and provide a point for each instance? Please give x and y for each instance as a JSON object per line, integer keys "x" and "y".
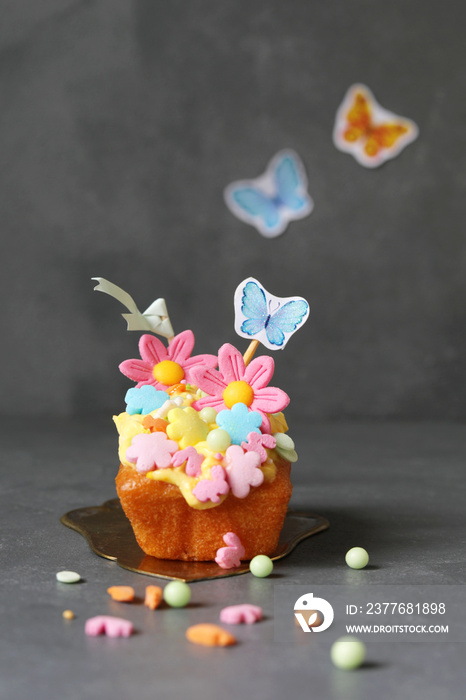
{"x": 273, "y": 199}
{"x": 369, "y": 132}
{"x": 155, "y": 318}
{"x": 270, "y": 320}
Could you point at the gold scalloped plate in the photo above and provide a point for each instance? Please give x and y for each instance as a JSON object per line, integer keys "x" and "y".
{"x": 109, "y": 534}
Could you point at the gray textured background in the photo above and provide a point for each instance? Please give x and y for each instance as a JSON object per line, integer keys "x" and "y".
{"x": 121, "y": 123}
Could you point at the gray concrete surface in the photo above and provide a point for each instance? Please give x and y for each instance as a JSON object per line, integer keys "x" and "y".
{"x": 398, "y": 490}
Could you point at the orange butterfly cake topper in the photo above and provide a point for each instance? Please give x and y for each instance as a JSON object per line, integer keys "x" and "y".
{"x": 369, "y": 132}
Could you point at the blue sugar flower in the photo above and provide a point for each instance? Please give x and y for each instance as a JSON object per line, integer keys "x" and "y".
{"x": 239, "y": 422}
{"x": 145, "y": 399}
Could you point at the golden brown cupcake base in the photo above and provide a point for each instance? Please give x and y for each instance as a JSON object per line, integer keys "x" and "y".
{"x": 166, "y": 527}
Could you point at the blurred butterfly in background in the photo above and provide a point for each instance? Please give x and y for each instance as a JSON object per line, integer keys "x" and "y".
{"x": 272, "y": 200}
{"x": 264, "y": 317}
{"x": 369, "y": 132}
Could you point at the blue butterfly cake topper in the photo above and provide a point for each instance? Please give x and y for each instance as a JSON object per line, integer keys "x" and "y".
{"x": 272, "y": 200}
{"x": 267, "y": 319}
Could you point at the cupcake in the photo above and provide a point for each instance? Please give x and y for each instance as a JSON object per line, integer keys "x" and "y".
{"x": 204, "y": 456}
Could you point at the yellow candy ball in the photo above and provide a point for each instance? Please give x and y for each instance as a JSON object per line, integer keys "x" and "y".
{"x": 168, "y": 372}
{"x": 238, "y": 392}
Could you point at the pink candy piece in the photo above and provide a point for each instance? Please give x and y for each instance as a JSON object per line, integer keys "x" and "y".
{"x": 192, "y": 458}
{"x": 108, "y": 625}
{"x": 258, "y": 443}
{"x": 229, "y": 557}
{"x": 151, "y": 451}
{"x": 243, "y": 470}
{"x": 211, "y": 489}
{"x": 235, "y": 614}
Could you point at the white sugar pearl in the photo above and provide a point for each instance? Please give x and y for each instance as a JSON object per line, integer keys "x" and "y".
{"x": 68, "y": 577}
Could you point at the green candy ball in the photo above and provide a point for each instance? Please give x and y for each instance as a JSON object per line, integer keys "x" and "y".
{"x": 357, "y": 558}
{"x": 261, "y": 566}
{"x": 177, "y": 594}
{"x": 218, "y": 440}
{"x": 208, "y": 414}
{"x": 348, "y": 653}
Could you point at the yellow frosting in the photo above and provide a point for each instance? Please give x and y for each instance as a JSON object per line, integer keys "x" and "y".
{"x": 129, "y": 426}
{"x": 186, "y": 483}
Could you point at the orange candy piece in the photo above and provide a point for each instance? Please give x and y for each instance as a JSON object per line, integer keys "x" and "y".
{"x": 155, "y": 424}
{"x": 176, "y": 389}
{"x": 209, "y": 635}
{"x": 122, "y": 594}
{"x": 154, "y": 596}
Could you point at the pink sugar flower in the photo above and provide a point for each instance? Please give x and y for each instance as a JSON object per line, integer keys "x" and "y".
{"x": 243, "y": 470}
{"x": 149, "y": 451}
{"x": 234, "y": 383}
{"x": 162, "y": 367}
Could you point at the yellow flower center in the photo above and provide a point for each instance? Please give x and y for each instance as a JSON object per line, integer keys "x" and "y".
{"x": 168, "y": 372}
{"x": 238, "y": 392}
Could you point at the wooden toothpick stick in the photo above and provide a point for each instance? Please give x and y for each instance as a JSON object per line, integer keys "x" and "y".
{"x": 249, "y": 354}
